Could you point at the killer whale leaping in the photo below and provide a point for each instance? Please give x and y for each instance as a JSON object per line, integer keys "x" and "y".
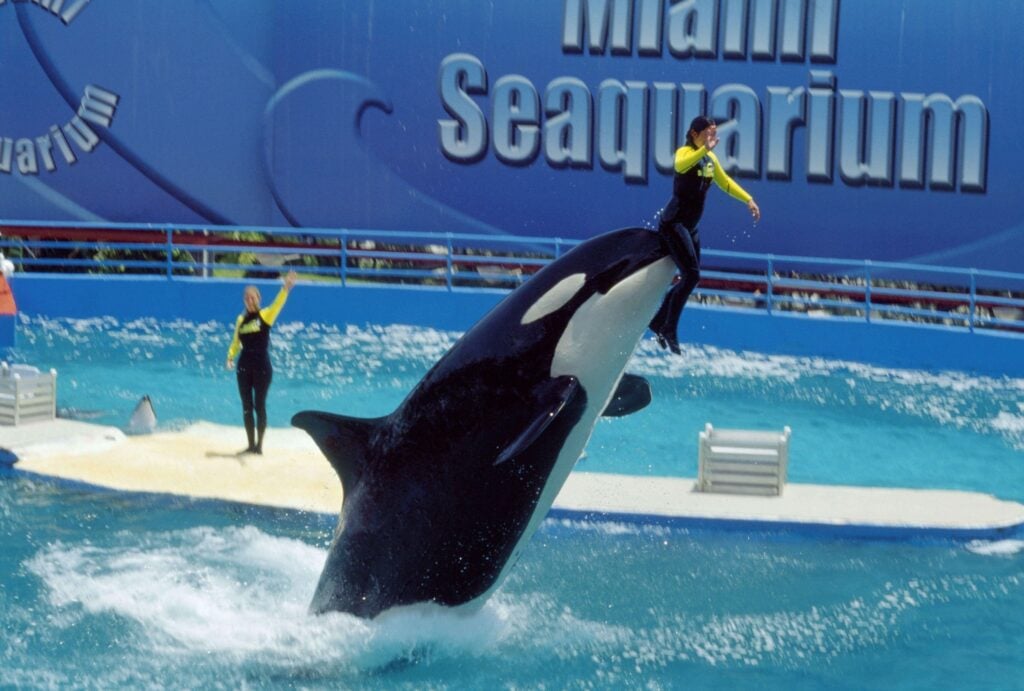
{"x": 441, "y": 496}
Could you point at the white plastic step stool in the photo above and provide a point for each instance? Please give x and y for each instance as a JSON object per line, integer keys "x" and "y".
{"x": 741, "y": 461}
{"x": 26, "y": 394}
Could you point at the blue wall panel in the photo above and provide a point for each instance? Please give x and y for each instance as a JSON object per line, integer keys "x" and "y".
{"x": 878, "y": 129}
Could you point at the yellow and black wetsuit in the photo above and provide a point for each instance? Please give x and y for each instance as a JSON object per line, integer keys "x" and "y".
{"x": 695, "y": 170}
{"x": 254, "y": 372}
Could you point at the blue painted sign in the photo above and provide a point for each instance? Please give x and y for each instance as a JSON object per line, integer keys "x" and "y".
{"x": 879, "y": 129}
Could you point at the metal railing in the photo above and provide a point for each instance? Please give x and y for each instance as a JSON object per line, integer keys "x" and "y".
{"x": 950, "y": 297}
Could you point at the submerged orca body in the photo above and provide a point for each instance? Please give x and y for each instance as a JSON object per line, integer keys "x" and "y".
{"x": 441, "y": 495}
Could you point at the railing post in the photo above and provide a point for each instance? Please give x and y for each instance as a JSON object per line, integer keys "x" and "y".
{"x": 558, "y": 247}
{"x": 867, "y": 290}
{"x": 170, "y": 254}
{"x": 206, "y": 255}
{"x": 770, "y": 282}
{"x": 970, "y": 318}
{"x": 448, "y": 272}
{"x": 344, "y": 258}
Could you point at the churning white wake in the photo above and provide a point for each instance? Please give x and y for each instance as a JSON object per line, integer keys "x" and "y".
{"x": 243, "y": 594}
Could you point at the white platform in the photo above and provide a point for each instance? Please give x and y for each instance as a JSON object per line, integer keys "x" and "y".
{"x": 200, "y": 461}
{"x": 830, "y": 508}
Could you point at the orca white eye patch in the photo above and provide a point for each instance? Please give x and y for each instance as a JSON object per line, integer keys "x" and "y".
{"x": 557, "y": 296}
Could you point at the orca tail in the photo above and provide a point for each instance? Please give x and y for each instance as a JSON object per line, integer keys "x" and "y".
{"x": 343, "y": 440}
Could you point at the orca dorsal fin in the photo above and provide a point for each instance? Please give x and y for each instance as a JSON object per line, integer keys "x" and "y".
{"x": 632, "y": 394}
{"x": 344, "y": 441}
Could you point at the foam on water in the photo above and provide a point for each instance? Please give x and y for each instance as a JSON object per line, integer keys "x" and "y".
{"x": 611, "y": 527}
{"x": 244, "y": 594}
{"x": 953, "y": 399}
{"x": 996, "y": 548}
{"x": 1011, "y": 426}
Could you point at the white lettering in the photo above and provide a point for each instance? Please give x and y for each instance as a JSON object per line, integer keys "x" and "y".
{"x": 98, "y": 106}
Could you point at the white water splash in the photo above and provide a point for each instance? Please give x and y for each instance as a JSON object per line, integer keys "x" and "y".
{"x": 1011, "y": 426}
{"x": 995, "y": 548}
{"x": 243, "y": 594}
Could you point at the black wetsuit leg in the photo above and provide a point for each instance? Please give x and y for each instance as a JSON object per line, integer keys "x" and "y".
{"x": 260, "y": 388}
{"x": 253, "y": 384}
{"x": 245, "y": 376}
{"x": 684, "y": 247}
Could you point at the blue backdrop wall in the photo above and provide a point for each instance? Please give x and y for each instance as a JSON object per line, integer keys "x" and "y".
{"x": 880, "y": 129}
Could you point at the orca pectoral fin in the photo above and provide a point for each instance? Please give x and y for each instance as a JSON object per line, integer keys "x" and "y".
{"x": 344, "y": 441}
{"x": 633, "y": 394}
{"x": 551, "y": 399}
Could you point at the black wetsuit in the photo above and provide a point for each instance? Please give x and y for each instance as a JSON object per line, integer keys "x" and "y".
{"x": 252, "y": 337}
{"x": 678, "y": 230}
{"x": 254, "y": 375}
{"x": 696, "y": 169}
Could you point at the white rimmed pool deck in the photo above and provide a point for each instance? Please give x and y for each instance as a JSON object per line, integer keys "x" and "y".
{"x": 200, "y": 461}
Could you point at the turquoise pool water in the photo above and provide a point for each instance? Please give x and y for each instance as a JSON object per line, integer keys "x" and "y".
{"x": 108, "y": 591}
{"x": 102, "y": 590}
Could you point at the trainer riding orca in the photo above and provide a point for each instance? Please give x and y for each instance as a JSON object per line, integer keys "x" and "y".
{"x": 442, "y": 495}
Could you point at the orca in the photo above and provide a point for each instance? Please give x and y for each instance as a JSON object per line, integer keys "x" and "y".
{"x": 441, "y": 496}
{"x": 143, "y": 419}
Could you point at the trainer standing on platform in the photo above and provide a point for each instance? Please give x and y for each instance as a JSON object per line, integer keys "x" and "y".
{"x": 695, "y": 168}
{"x": 252, "y": 337}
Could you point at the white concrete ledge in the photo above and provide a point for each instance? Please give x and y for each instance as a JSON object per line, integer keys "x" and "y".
{"x": 854, "y": 511}
{"x": 201, "y": 461}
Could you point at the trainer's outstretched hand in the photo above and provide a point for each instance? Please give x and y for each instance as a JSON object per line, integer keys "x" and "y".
{"x": 755, "y": 210}
{"x": 289, "y": 280}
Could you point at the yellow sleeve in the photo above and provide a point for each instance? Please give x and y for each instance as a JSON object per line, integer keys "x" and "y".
{"x": 687, "y": 157}
{"x": 731, "y": 187}
{"x": 270, "y": 312}
{"x": 236, "y": 343}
